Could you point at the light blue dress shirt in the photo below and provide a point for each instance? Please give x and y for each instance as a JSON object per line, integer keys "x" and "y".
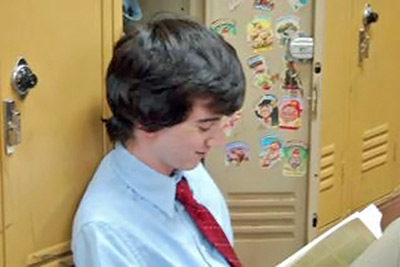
{"x": 129, "y": 217}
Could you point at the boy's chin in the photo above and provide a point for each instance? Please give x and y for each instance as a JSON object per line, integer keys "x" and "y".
{"x": 190, "y": 166}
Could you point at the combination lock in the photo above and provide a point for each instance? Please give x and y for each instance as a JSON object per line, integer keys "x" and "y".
{"x": 23, "y": 79}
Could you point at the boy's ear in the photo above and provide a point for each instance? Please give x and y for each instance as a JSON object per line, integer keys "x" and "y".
{"x": 140, "y": 130}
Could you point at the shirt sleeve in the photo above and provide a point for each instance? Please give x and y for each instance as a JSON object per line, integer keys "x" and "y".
{"x": 98, "y": 245}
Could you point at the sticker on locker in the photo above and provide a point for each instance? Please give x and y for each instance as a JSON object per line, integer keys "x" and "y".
{"x": 270, "y": 151}
{"x": 295, "y": 156}
{"x": 260, "y": 34}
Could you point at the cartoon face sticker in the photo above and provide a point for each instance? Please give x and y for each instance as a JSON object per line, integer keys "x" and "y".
{"x": 231, "y": 122}
{"x": 298, "y": 4}
{"x": 257, "y": 63}
{"x": 236, "y": 153}
{"x": 291, "y": 77}
{"x": 224, "y": 27}
{"x": 267, "y": 111}
{"x": 289, "y": 113}
{"x": 270, "y": 151}
{"x": 262, "y": 78}
{"x": 295, "y": 155}
{"x": 260, "y": 34}
{"x": 287, "y": 28}
{"x": 265, "y": 5}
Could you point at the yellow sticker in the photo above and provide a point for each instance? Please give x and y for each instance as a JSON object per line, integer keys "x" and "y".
{"x": 260, "y": 34}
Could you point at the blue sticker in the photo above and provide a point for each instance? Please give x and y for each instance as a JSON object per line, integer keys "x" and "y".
{"x": 270, "y": 151}
{"x": 298, "y": 4}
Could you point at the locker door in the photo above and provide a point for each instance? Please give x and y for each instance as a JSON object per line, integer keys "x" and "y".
{"x": 268, "y": 205}
{"x": 336, "y": 81}
{"x": 373, "y": 99}
{"x": 358, "y": 163}
{"x": 65, "y": 44}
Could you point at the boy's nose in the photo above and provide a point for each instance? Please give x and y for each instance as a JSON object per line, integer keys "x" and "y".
{"x": 218, "y": 139}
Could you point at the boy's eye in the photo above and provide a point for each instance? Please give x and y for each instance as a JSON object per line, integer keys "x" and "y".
{"x": 204, "y": 129}
{"x": 205, "y": 126}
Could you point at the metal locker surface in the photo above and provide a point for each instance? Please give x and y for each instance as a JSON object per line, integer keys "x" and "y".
{"x": 267, "y": 199}
{"x": 65, "y": 43}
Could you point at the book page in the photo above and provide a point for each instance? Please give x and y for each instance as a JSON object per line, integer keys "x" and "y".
{"x": 341, "y": 244}
{"x": 340, "y": 248}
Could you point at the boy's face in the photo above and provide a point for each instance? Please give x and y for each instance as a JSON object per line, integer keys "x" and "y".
{"x": 182, "y": 146}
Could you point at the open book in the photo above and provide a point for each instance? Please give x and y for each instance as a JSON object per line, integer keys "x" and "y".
{"x": 342, "y": 244}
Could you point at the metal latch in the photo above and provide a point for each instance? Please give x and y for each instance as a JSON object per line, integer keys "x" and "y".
{"x": 315, "y": 220}
{"x": 364, "y": 35}
{"x": 302, "y": 48}
{"x": 12, "y": 126}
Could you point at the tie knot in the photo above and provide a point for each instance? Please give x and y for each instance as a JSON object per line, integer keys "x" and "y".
{"x": 183, "y": 192}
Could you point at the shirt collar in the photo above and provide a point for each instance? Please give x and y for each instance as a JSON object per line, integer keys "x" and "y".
{"x": 157, "y": 188}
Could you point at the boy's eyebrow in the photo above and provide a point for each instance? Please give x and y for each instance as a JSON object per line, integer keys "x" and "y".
{"x": 209, "y": 119}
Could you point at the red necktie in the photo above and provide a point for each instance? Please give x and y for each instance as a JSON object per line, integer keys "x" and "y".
{"x": 206, "y": 223}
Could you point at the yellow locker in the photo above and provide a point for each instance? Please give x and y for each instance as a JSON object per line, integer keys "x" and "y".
{"x": 373, "y": 103}
{"x": 335, "y": 89}
{"x": 67, "y": 44}
{"x": 360, "y": 130}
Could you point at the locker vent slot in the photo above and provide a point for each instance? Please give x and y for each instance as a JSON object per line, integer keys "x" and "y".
{"x": 66, "y": 261}
{"x": 327, "y": 168}
{"x": 51, "y": 256}
{"x": 262, "y": 216}
{"x": 375, "y": 148}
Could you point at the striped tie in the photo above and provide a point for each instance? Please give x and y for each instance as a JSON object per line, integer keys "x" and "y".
{"x": 206, "y": 223}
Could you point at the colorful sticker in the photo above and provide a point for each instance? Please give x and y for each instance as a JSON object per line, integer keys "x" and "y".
{"x": 271, "y": 149}
{"x": 260, "y": 34}
{"x": 287, "y": 28}
{"x": 295, "y": 156}
{"x": 236, "y": 153}
{"x": 262, "y": 78}
{"x": 265, "y": 5}
{"x": 233, "y": 4}
{"x": 267, "y": 111}
{"x": 291, "y": 77}
{"x": 224, "y": 27}
{"x": 290, "y": 113}
{"x": 231, "y": 122}
{"x": 298, "y": 4}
